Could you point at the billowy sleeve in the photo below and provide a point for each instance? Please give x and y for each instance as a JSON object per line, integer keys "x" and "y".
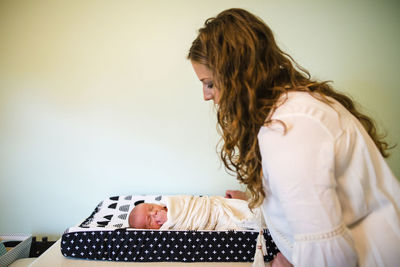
{"x": 300, "y": 167}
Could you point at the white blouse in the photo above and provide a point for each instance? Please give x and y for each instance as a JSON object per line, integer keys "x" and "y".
{"x": 331, "y": 198}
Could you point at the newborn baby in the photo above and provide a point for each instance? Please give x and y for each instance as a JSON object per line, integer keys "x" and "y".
{"x": 195, "y": 213}
{"x": 148, "y": 216}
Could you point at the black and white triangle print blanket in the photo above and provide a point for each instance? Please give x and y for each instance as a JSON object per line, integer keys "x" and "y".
{"x": 105, "y": 235}
{"x": 113, "y": 212}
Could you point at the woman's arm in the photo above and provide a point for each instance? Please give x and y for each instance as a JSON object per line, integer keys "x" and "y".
{"x": 300, "y": 169}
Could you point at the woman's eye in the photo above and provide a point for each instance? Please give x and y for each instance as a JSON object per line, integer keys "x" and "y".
{"x": 210, "y": 85}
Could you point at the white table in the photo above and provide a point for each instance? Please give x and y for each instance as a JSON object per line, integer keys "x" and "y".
{"x": 53, "y": 258}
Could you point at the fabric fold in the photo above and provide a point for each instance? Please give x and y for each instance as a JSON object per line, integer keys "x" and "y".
{"x": 209, "y": 213}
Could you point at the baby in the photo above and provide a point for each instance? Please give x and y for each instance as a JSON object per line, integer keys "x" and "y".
{"x": 148, "y": 216}
{"x": 196, "y": 213}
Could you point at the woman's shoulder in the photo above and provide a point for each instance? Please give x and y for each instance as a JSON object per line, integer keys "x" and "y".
{"x": 304, "y": 105}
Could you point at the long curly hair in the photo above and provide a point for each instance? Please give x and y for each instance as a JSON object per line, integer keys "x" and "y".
{"x": 251, "y": 72}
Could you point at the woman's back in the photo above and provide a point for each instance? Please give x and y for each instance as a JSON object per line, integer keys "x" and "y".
{"x": 328, "y": 161}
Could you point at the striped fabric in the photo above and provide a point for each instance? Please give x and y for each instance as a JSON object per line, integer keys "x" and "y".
{"x": 19, "y": 251}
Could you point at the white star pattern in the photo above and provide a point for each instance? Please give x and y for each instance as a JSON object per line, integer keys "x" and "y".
{"x": 149, "y": 246}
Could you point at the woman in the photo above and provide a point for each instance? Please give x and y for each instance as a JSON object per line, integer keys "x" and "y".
{"x": 310, "y": 159}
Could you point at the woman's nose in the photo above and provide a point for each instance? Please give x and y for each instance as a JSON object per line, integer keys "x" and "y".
{"x": 208, "y": 94}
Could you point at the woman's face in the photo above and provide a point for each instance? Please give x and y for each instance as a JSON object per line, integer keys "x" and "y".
{"x": 205, "y": 76}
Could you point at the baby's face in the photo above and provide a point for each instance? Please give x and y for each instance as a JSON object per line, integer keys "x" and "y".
{"x": 148, "y": 216}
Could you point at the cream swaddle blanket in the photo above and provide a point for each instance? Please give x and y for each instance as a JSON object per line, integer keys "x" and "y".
{"x": 209, "y": 213}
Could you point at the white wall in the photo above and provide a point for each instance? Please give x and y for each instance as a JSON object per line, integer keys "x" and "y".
{"x": 97, "y": 97}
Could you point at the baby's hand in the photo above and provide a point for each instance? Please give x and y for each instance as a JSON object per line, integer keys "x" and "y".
{"x": 236, "y": 194}
{"x": 161, "y": 217}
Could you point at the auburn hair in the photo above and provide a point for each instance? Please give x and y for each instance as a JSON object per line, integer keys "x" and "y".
{"x": 251, "y": 72}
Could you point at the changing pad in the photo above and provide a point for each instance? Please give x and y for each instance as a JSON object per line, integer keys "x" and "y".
{"x": 105, "y": 235}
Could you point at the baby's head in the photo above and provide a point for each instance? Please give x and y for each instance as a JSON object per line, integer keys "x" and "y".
{"x": 147, "y": 216}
